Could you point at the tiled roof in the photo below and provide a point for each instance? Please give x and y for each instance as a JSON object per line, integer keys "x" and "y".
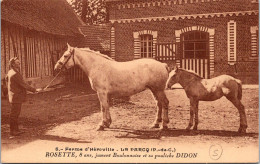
{"x": 97, "y": 37}
{"x": 50, "y": 16}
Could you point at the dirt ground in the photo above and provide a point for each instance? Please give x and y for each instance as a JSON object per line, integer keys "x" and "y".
{"x": 74, "y": 120}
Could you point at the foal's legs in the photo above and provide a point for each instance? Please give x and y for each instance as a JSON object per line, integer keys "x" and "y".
{"x": 196, "y": 115}
{"x": 104, "y": 104}
{"x": 241, "y": 109}
{"x": 193, "y": 106}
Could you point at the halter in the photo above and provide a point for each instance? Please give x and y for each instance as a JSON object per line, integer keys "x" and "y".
{"x": 63, "y": 64}
{"x": 71, "y": 55}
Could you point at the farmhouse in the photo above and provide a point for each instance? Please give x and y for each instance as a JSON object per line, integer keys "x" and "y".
{"x": 37, "y": 31}
{"x": 211, "y": 37}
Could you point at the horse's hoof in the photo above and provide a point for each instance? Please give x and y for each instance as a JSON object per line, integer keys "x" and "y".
{"x": 107, "y": 124}
{"x": 188, "y": 128}
{"x": 100, "y": 128}
{"x": 165, "y": 128}
{"x": 159, "y": 120}
{"x": 241, "y": 130}
{"x": 167, "y": 121}
{"x": 110, "y": 122}
{"x": 195, "y": 128}
{"x": 155, "y": 126}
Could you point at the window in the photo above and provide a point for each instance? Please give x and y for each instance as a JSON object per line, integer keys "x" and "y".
{"x": 195, "y": 44}
{"x": 146, "y": 46}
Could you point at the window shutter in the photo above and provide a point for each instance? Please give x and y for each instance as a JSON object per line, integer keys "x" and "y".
{"x": 112, "y": 43}
{"x": 232, "y": 42}
{"x": 137, "y": 46}
{"x": 254, "y": 42}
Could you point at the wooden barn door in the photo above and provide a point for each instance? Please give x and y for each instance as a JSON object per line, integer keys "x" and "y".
{"x": 195, "y": 52}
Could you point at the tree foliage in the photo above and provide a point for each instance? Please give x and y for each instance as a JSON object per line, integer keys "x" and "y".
{"x": 90, "y": 11}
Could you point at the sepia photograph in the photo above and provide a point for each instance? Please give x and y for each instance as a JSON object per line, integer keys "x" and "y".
{"x": 129, "y": 81}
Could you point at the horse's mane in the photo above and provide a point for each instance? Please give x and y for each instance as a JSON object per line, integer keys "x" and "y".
{"x": 191, "y": 72}
{"x": 96, "y": 53}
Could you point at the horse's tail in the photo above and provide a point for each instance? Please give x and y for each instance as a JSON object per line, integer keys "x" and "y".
{"x": 239, "y": 94}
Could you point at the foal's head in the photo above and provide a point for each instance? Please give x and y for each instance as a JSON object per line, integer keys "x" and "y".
{"x": 67, "y": 59}
{"x": 174, "y": 77}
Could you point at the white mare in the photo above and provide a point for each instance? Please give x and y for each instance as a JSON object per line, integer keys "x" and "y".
{"x": 110, "y": 78}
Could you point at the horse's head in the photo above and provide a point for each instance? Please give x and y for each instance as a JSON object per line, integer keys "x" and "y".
{"x": 67, "y": 59}
{"x": 173, "y": 77}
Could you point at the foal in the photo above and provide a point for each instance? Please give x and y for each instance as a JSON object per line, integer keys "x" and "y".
{"x": 199, "y": 89}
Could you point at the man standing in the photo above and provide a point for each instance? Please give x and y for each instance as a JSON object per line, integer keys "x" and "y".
{"x": 16, "y": 93}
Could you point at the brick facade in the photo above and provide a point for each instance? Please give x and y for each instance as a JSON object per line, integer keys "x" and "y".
{"x": 128, "y": 18}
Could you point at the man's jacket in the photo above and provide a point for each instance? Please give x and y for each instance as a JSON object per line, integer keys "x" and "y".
{"x": 17, "y": 87}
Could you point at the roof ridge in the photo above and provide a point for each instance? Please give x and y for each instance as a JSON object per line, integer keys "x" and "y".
{"x": 77, "y": 16}
{"x": 49, "y": 16}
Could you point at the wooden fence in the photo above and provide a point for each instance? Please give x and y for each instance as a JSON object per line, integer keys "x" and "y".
{"x": 200, "y": 66}
{"x": 165, "y": 51}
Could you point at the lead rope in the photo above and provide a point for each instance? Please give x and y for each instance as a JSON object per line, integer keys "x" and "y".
{"x": 72, "y": 54}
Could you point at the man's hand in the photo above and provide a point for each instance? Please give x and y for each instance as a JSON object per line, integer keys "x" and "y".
{"x": 38, "y": 90}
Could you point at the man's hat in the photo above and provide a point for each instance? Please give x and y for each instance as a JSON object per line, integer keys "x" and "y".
{"x": 12, "y": 60}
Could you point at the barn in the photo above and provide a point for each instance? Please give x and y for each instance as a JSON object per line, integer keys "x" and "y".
{"x": 210, "y": 37}
{"x": 37, "y": 31}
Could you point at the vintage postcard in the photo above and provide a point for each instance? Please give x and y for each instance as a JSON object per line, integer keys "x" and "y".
{"x": 129, "y": 81}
